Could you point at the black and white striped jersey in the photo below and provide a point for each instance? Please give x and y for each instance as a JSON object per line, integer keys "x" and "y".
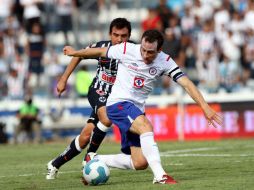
{"x": 106, "y": 71}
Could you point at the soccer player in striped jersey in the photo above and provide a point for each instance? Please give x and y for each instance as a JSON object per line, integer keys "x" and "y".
{"x": 139, "y": 66}
{"x": 99, "y": 90}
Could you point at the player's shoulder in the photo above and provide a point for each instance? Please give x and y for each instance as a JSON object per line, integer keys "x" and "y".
{"x": 130, "y": 44}
{"x": 164, "y": 57}
{"x": 131, "y": 41}
{"x": 104, "y": 43}
{"x": 164, "y": 60}
{"x": 129, "y": 48}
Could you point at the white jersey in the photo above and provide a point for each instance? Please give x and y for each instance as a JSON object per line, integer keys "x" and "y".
{"x": 135, "y": 79}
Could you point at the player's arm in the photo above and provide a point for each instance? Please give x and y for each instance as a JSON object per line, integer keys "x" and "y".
{"x": 61, "y": 84}
{"x": 195, "y": 94}
{"x": 85, "y": 53}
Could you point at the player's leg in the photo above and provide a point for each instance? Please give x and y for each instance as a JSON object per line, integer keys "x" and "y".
{"x": 138, "y": 159}
{"x": 141, "y": 125}
{"x": 130, "y": 145}
{"x": 128, "y": 118}
{"x": 70, "y": 152}
{"x": 100, "y": 130}
{"x": 86, "y": 133}
{"x": 74, "y": 149}
{"x": 120, "y": 161}
{"x": 132, "y": 156}
{"x": 78, "y": 143}
{"x": 135, "y": 161}
{"x": 98, "y": 99}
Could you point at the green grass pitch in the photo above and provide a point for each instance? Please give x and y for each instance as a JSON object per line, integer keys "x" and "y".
{"x": 199, "y": 165}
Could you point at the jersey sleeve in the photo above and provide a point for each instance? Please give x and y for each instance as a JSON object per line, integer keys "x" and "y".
{"x": 117, "y": 51}
{"x": 173, "y": 70}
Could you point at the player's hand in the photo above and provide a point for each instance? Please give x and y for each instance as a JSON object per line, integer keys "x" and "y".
{"x": 212, "y": 117}
{"x": 68, "y": 50}
{"x": 61, "y": 85}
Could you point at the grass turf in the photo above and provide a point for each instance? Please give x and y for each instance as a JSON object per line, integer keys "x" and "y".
{"x": 213, "y": 165}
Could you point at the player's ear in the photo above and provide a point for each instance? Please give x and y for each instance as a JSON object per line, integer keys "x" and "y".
{"x": 159, "y": 50}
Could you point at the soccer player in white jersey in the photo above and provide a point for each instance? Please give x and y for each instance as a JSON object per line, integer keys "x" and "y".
{"x": 139, "y": 67}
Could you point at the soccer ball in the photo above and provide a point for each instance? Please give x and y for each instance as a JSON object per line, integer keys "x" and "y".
{"x": 96, "y": 172}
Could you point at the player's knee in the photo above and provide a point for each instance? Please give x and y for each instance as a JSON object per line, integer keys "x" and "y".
{"x": 140, "y": 164}
{"x": 106, "y": 122}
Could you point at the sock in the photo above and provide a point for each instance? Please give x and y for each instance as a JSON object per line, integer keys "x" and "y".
{"x": 152, "y": 155}
{"x": 70, "y": 152}
{"x": 98, "y": 135}
{"x": 121, "y": 161}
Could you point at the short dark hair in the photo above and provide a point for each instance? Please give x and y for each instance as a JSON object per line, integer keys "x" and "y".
{"x": 120, "y": 23}
{"x": 153, "y": 36}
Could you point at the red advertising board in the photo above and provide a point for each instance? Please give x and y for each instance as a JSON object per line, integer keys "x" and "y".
{"x": 170, "y": 124}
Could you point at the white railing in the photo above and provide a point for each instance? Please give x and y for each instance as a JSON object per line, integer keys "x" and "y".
{"x": 158, "y": 100}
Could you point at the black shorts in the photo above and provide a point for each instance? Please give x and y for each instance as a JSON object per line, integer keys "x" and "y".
{"x": 97, "y": 99}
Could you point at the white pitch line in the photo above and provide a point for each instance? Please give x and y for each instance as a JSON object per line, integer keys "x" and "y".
{"x": 189, "y": 150}
{"x": 33, "y": 174}
{"x": 177, "y": 164}
{"x": 174, "y": 153}
{"x": 25, "y": 175}
{"x": 207, "y": 155}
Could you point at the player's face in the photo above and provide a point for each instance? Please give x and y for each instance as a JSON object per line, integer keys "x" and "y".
{"x": 119, "y": 35}
{"x": 148, "y": 51}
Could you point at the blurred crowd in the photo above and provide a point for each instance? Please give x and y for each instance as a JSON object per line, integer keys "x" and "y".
{"x": 28, "y": 63}
{"x": 212, "y": 40}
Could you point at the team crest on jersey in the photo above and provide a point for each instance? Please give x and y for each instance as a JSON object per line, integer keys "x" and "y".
{"x": 102, "y": 99}
{"x": 139, "y": 82}
{"x": 152, "y": 71}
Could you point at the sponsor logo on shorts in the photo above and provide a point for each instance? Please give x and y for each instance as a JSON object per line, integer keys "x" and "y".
{"x": 120, "y": 107}
{"x": 152, "y": 71}
{"x": 102, "y": 99}
{"x": 139, "y": 82}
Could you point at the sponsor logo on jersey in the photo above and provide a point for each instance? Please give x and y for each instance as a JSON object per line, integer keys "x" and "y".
{"x": 139, "y": 82}
{"x": 100, "y": 92}
{"x": 102, "y": 99}
{"x": 152, "y": 71}
{"x": 134, "y": 64}
{"x": 109, "y": 79}
{"x": 113, "y": 72}
{"x": 133, "y": 68}
{"x": 105, "y": 61}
